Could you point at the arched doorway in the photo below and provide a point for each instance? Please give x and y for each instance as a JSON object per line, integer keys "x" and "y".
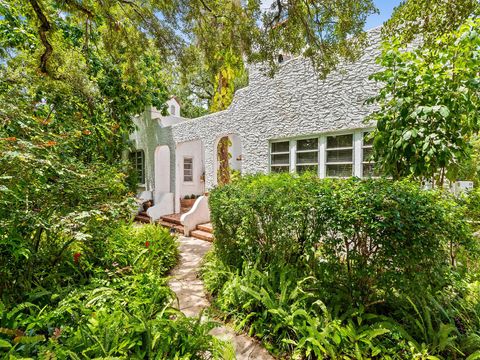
{"x": 162, "y": 169}
{"x": 228, "y": 158}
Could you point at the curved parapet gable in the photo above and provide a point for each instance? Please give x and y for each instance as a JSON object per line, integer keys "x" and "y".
{"x": 294, "y": 103}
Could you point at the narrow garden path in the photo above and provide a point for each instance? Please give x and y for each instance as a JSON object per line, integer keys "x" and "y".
{"x": 192, "y": 298}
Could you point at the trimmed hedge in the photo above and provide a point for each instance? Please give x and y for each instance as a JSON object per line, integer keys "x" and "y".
{"x": 363, "y": 239}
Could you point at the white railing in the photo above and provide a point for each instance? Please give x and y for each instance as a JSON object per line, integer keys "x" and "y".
{"x": 162, "y": 205}
{"x": 198, "y": 214}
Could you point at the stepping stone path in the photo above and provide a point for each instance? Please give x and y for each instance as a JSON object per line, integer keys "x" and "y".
{"x": 192, "y": 298}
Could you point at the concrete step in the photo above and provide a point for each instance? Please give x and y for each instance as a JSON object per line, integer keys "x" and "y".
{"x": 142, "y": 218}
{"x": 207, "y": 227}
{"x": 172, "y": 218}
{"x": 167, "y": 224}
{"x": 202, "y": 235}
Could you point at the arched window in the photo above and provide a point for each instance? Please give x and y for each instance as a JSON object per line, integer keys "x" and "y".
{"x": 172, "y": 109}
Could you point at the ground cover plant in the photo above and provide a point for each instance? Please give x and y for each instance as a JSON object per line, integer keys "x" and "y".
{"x": 119, "y": 306}
{"x": 346, "y": 268}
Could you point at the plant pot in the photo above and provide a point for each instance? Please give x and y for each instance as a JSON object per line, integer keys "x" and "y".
{"x": 186, "y": 204}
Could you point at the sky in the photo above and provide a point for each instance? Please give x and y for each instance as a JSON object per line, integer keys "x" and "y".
{"x": 384, "y": 6}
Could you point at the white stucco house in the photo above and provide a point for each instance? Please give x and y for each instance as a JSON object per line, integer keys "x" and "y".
{"x": 291, "y": 122}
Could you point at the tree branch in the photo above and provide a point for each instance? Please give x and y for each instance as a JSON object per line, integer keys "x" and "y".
{"x": 43, "y": 29}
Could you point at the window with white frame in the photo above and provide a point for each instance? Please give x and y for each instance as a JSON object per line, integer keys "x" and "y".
{"x": 137, "y": 159}
{"x": 339, "y": 155}
{"x": 172, "y": 109}
{"x": 280, "y": 156}
{"x": 187, "y": 169}
{"x": 307, "y": 155}
{"x": 368, "y": 165}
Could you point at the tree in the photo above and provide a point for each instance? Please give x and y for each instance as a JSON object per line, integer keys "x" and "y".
{"x": 65, "y": 111}
{"x": 428, "y": 19}
{"x": 428, "y": 108}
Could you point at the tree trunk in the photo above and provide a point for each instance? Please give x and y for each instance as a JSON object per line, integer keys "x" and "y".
{"x": 223, "y": 161}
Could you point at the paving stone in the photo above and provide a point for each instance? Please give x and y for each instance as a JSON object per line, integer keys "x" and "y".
{"x": 192, "y": 299}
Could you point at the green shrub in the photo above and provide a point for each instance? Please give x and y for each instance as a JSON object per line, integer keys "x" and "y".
{"x": 345, "y": 268}
{"x": 140, "y": 249}
{"x": 123, "y": 309}
{"x": 365, "y": 239}
{"x": 471, "y": 201}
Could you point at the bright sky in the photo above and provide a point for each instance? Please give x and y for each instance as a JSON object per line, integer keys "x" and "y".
{"x": 384, "y": 6}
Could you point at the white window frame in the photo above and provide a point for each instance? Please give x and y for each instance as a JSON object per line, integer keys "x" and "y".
{"x": 363, "y": 162}
{"x": 352, "y": 148}
{"x": 191, "y": 158}
{"x": 289, "y": 152}
{"x": 317, "y": 164}
{"x": 356, "y": 148}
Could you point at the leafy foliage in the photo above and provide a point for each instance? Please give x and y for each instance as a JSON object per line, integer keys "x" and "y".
{"x": 428, "y": 107}
{"x": 345, "y": 268}
{"x": 124, "y": 310}
{"x": 428, "y": 19}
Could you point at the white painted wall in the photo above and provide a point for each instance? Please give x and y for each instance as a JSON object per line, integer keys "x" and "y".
{"x": 173, "y": 107}
{"x": 162, "y": 169}
{"x": 193, "y": 149}
{"x": 236, "y": 152}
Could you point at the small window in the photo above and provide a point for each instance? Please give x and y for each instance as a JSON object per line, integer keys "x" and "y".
{"x": 368, "y": 165}
{"x": 187, "y": 169}
{"x": 339, "y": 156}
{"x": 280, "y": 157}
{"x": 137, "y": 159}
{"x": 307, "y": 155}
{"x": 172, "y": 109}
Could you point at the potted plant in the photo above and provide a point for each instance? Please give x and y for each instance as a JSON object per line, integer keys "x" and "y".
{"x": 187, "y": 202}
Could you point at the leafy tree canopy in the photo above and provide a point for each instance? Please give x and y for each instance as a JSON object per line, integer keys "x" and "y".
{"x": 429, "y": 106}
{"x": 428, "y": 19}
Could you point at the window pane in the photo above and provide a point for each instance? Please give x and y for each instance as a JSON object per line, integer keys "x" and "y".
{"x": 307, "y": 158}
{"x": 339, "y": 141}
{"x": 305, "y": 168}
{"x": 283, "y": 146}
{"x": 138, "y": 164}
{"x": 281, "y": 159}
{"x": 187, "y": 169}
{"x": 339, "y": 156}
{"x": 367, "y": 154}
{"x": 307, "y": 144}
{"x": 280, "y": 169}
{"x": 366, "y": 139}
{"x": 343, "y": 170}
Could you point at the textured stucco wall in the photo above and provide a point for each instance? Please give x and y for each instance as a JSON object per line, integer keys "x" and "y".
{"x": 293, "y": 103}
{"x": 147, "y": 137}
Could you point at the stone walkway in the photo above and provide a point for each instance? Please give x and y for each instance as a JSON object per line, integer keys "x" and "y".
{"x": 192, "y": 298}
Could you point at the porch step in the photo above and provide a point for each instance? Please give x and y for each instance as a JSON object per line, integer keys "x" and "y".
{"x": 142, "y": 217}
{"x": 207, "y": 227}
{"x": 167, "y": 224}
{"x": 172, "y": 218}
{"x": 202, "y": 235}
